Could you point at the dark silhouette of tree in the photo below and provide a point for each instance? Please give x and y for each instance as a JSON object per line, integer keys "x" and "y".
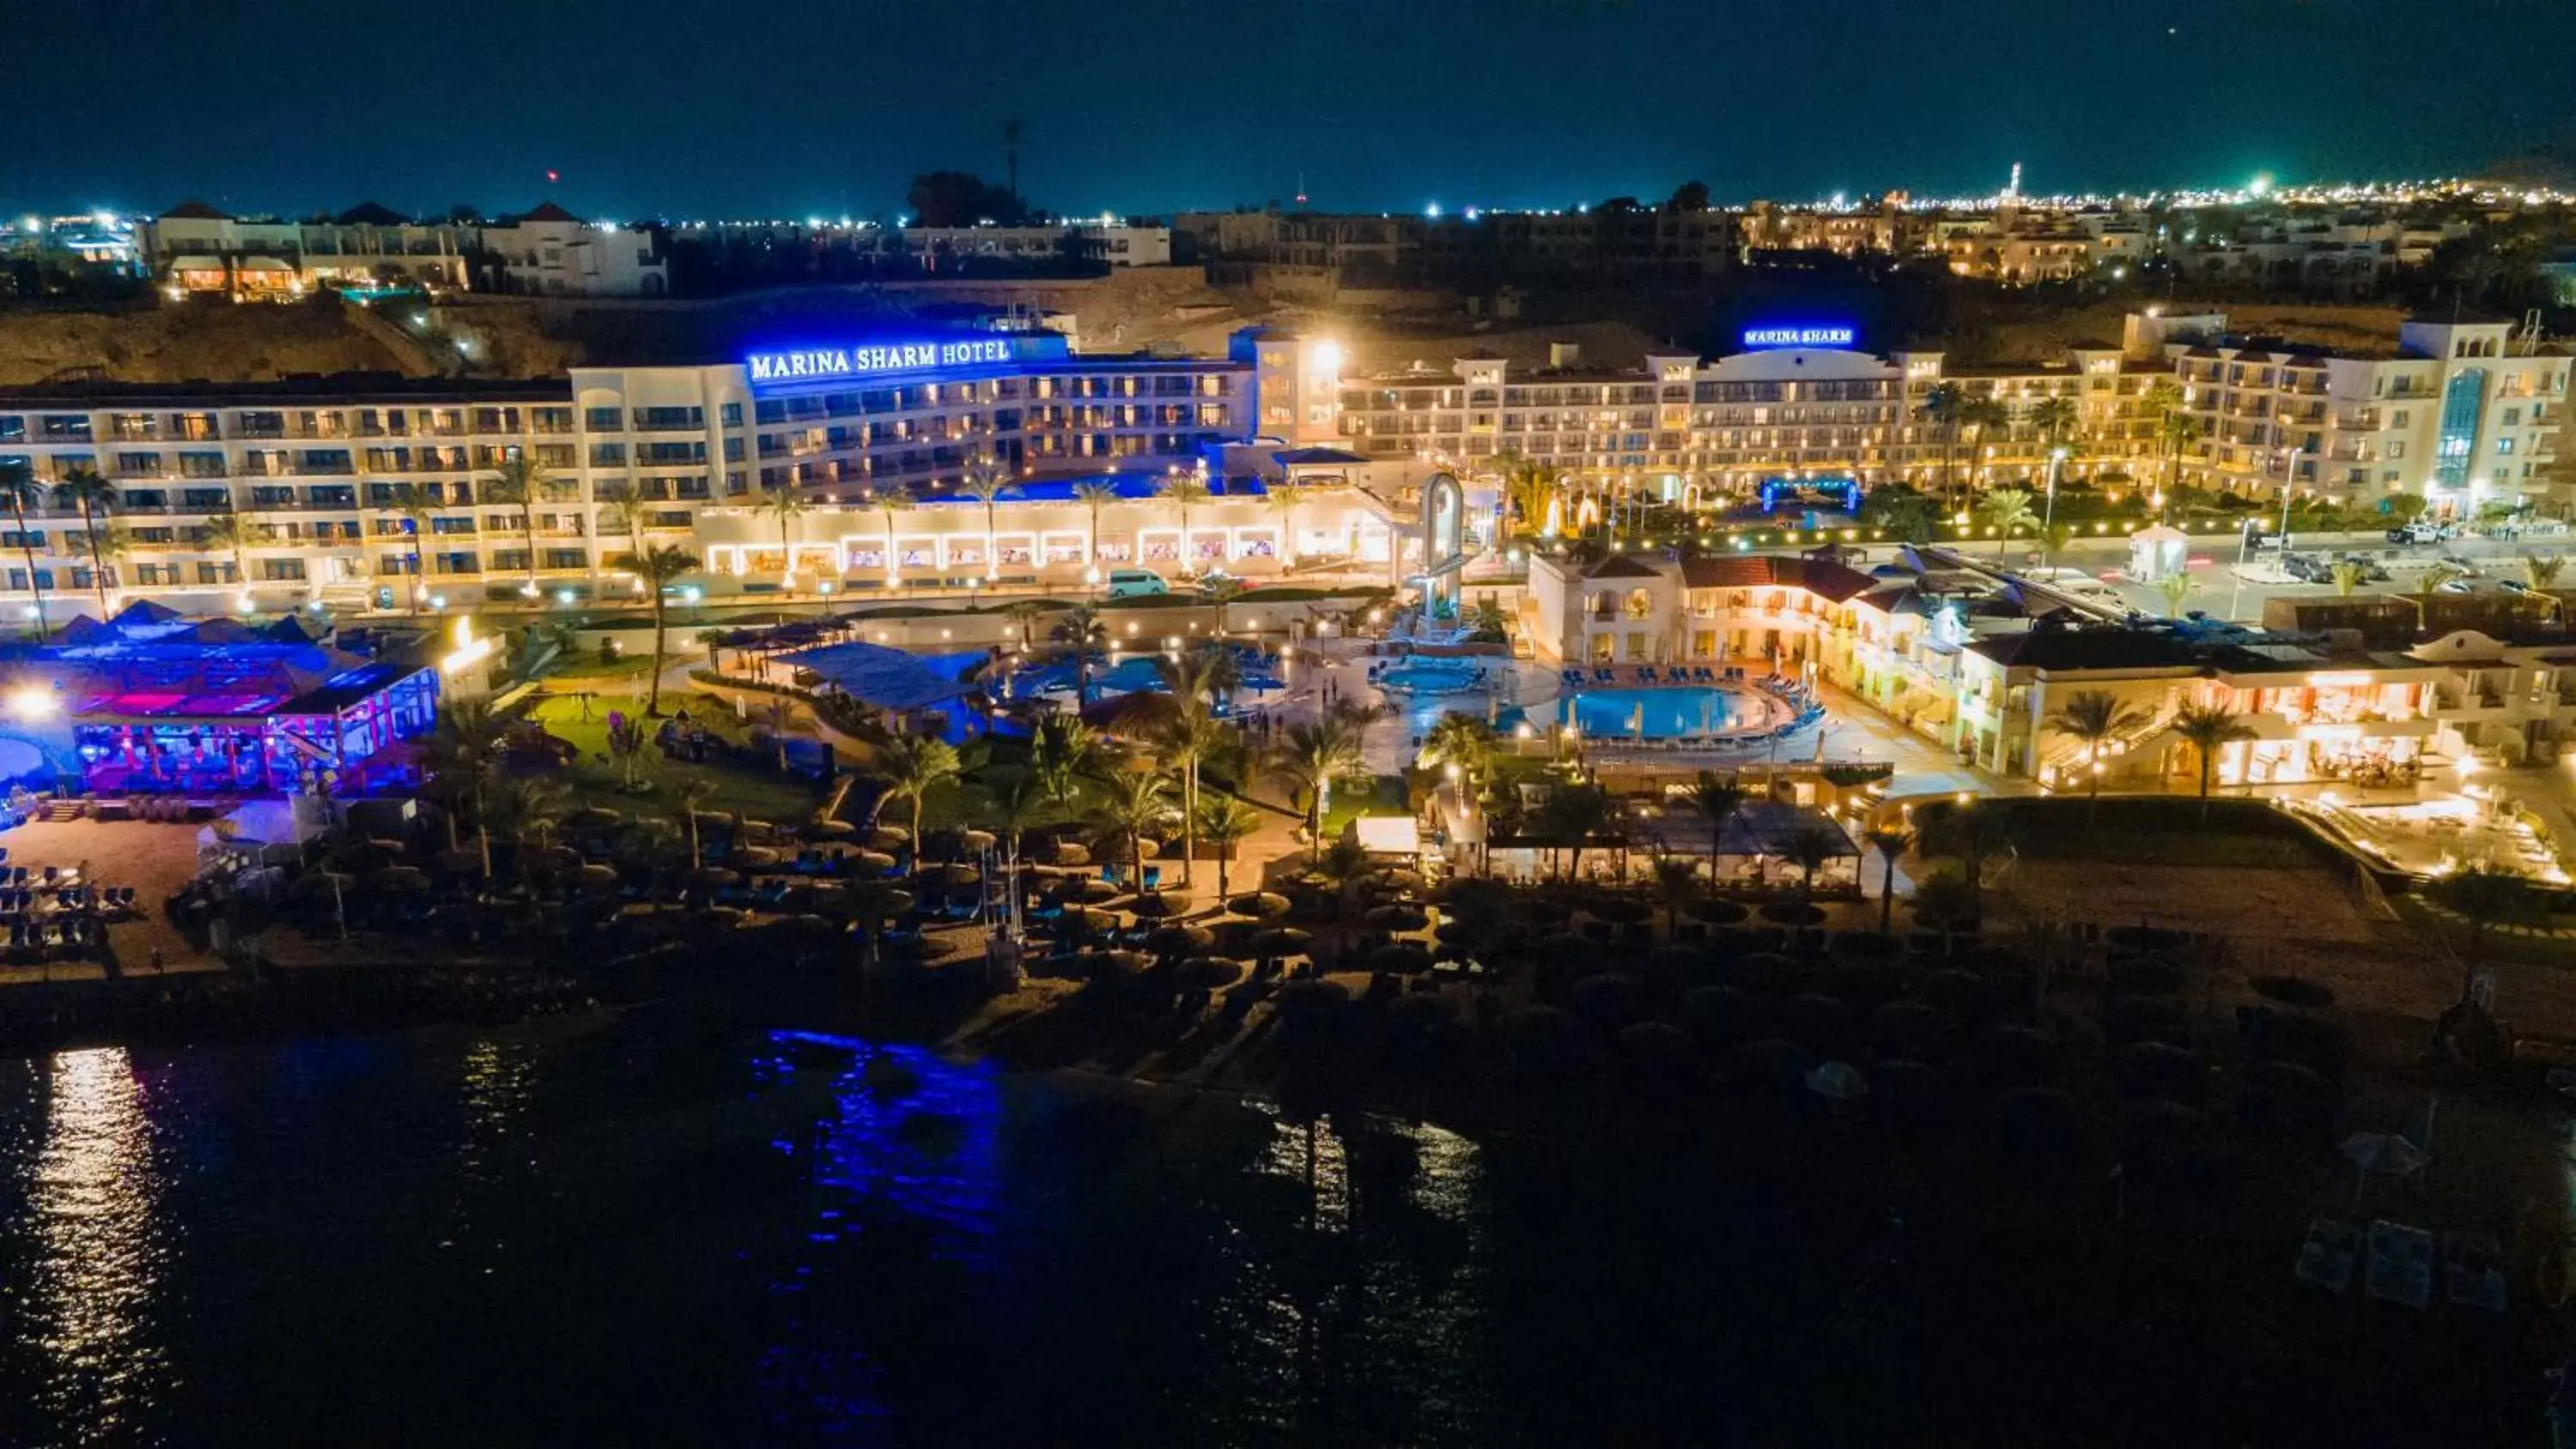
{"x": 959, "y": 198}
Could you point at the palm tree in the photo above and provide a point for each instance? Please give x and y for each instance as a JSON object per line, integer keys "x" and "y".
{"x": 1282, "y": 499}
{"x": 914, "y": 765}
{"x": 2174, "y": 429}
{"x": 693, "y": 798}
{"x": 236, "y": 533}
{"x": 1092, "y": 494}
{"x": 1891, "y": 843}
{"x": 517, "y": 482}
{"x": 2483, "y": 896}
{"x": 2093, "y": 716}
{"x": 415, "y": 507}
{"x": 1463, "y": 740}
{"x": 1225, "y": 822}
{"x": 1221, "y": 591}
{"x": 786, "y": 505}
{"x": 1184, "y": 741}
{"x": 1133, "y": 805}
{"x": 1716, "y": 799}
{"x": 2053, "y": 419}
{"x": 658, "y": 566}
{"x": 1571, "y": 817}
{"x": 1977, "y": 415}
{"x": 1062, "y": 750}
{"x": 460, "y": 755}
{"x": 1017, "y": 798}
{"x": 1809, "y": 848}
{"x": 1082, "y": 630}
{"x": 1677, "y": 883}
{"x": 1528, "y": 487}
{"x": 1941, "y": 408}
{"x": 2207, "y": 728}
{"x": 987, "y": 484}
{"x": 20, "y": 490}
{"x": 2174, "y": 587}
{"x": 891, "y": 502}
{"x": 1185, "y": 489}
{"x": 1310, "y": 756}
{"x": 2539, "y": 570}
{"x": 2006, "y": 509}
{"x": 2348, "y": 576}
{"x": 1022, "y": 613}
{"x": 94, "y": 496}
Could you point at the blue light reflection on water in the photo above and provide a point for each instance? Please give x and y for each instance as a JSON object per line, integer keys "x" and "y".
{"x": 1660, "y": 714}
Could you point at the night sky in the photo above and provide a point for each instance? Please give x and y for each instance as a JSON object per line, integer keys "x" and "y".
{"x": 686, "y": 108}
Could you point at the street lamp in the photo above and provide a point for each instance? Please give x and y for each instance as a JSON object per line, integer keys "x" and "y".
{"x": 2056, "y": 466}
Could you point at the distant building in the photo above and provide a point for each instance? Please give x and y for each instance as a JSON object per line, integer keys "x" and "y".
{"x": 195, "y": 250}
{"x": 549, "y": 252}
{"x": 1119, "y": 246}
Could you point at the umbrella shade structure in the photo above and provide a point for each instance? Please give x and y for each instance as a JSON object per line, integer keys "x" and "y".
{"x": 712, "y": 878}
{"x": 889, "y": 837}
{"x": 1260, "y": 905}
{"x": 1283, "y": 941}
{"x": 1910, "y": 1091}
{"x": 1837, "y": 1081}
{"x": 1399, "y": 880}
{"x": 951, "y": 875}
{"x": 1400, "y": 959}
{"x": 1095, "y": 891}
{"x": 756, "y": 857}
{"x": 1179, "y": 940}
{"x": 1776, "y": 1060}
{"x": 1114, "y": 851}
{"x": 1208, "y": 973}
{"x": 1153, "y": 906}
{"x": 596, "y": 874}
{"x": 1717, "y": 912}
{"x": 828, "y": 830}
{"x": 873, "y": 862}
{"x": 1793, "y": 913}
{"x": 976, "y": 842}
{"x": 1119, "y": 963}
{"x": 1396, "y": 918}
{"x": 1065, "y": 852}
{"x": 1618, "y": 910}
{"x": 1082, "y": 918}
{"x": 594, "y": 818}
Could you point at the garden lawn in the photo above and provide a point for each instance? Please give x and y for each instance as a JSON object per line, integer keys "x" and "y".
{"x": 746, "y": 787}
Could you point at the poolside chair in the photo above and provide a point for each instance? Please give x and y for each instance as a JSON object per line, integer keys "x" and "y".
{"x": 1572, "y": 676}
{"x": 1601, "y": 675}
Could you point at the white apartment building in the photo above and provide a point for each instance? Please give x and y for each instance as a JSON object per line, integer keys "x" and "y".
{"x": 322, "y": 469}
{"x": 550, "y": 252}
{"x": 195, "y": 250}
{"x": 2458, "y": 413}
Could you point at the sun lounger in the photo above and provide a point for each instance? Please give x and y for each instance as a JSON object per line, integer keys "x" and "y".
{"x": 1702, "y": 675}
{"x": 2401, "y": 1265}
{"x": 1605, "y": 676}
{"x": 2473, "y": 1270}
{"x": 1573, "y": 677}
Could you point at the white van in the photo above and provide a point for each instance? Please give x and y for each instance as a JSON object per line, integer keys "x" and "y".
{"x": 1129, "y": 583}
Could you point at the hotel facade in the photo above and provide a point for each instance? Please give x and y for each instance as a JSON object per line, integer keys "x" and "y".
{"x": 379, "y": 491}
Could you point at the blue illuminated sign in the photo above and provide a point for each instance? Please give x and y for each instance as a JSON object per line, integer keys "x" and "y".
{"x": 1842, "y": 493}
{"x": 1798, "y": 336}
{"x": 814, "y": 364}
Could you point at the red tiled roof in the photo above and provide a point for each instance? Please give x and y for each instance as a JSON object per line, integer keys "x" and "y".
{"x": 1822, "y": 577}
{"x": 548, "y": 211}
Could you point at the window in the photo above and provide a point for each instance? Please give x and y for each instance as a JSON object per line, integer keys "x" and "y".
{"x": 2504, "y": 447}
{"x": 732, "y": 415}
{"x": 608, "y": 455}
{"x": 607, "y": 420}
{"x": 282, "y": 570}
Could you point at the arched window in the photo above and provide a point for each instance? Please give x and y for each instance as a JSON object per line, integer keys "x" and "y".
{"x": 1640, "y": 604}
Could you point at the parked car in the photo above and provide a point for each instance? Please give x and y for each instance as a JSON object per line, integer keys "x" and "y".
{"x": 2423, "y": 530}
{"x": 1131, "y": 583}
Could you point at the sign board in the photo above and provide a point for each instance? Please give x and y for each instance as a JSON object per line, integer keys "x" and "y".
{"x": 1826, "y": 336}
{"x": 821, "y": 364}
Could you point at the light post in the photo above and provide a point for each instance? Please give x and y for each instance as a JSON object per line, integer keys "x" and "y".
{"x": 2289, "y": 485}
{"x": 2056, "y": 466}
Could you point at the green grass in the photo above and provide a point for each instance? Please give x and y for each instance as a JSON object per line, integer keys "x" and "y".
{"x": 1352, "y": 798}
{"x": 749, "y": 790}
{"x": 2135, "y": 830}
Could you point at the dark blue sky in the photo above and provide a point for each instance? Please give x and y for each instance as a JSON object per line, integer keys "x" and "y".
{"x": 689, "y": 108}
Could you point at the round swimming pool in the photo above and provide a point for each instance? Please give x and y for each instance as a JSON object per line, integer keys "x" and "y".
{"x": 1682, "y": 712}
{"x": 1420, "y": 676}
{"x": 1129, "y": 675}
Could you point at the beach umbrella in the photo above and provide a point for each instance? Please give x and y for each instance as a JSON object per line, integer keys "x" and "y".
{"x": 1606, "y": 999}
{"x": 976, "y": 842}
{"x": 1283, "y": 941}
{"x": 1208, "y": 973}
{"x": 889, "y": 837}
{"x": 594, "y": 818}
{"x": 1403, "y": 880}
{"x": 1909, "y": 1024}
{"x": 595, "y": 874}
{"x": 1717, "y": 912}
{"x": 1077, "y": 918}
{"x": 1154, "y": 905}
{"x": 1066, "y": 852}
{"x": 1792, "y": 913}
{"x": 1717, "y": 1014}
{"x": 1094, "y": 891}
{"x": 828, "y": 830}
{"x": 1259, "y": 904}
{"x": 1775, "y": 1060}
{"x": 1396, "y": 918}
{"x": 2040, "y": 1121}
{"x": 1910, "y": 1090}
{"x": 2382, "y": 1152}
{"x": 1179, "y": 940}
{"x": 1653, "y": 1048}
{"x": 1618, "y": 910}
{"x": 1122, "y": 963}
{"x": 755, "y": 857}
{"x": 1403, "y": 958}
{"x": 957, "y": 875}
{"x": 874, "y": 862}
{"x": 711, "y": 878}
{"x": 1837, "y": 1081}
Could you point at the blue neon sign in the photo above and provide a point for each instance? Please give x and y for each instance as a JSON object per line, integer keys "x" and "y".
{"x": 816, "y": 364}
{"x": 1842, "y": 493}
{"x": 1827, "y": 336}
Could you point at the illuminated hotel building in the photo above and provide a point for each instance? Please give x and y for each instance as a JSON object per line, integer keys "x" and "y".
{"x": 1789, "y": 406}
{"x": 359, "y": 490}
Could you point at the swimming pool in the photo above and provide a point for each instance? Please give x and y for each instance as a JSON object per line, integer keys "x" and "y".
{"x": 1431, "y": 676}
{"x": 1666, "y": 714}
{"x": 1129, "y": 675}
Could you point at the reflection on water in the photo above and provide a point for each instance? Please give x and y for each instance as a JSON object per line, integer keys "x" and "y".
{"x": 99, "y": 1254}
